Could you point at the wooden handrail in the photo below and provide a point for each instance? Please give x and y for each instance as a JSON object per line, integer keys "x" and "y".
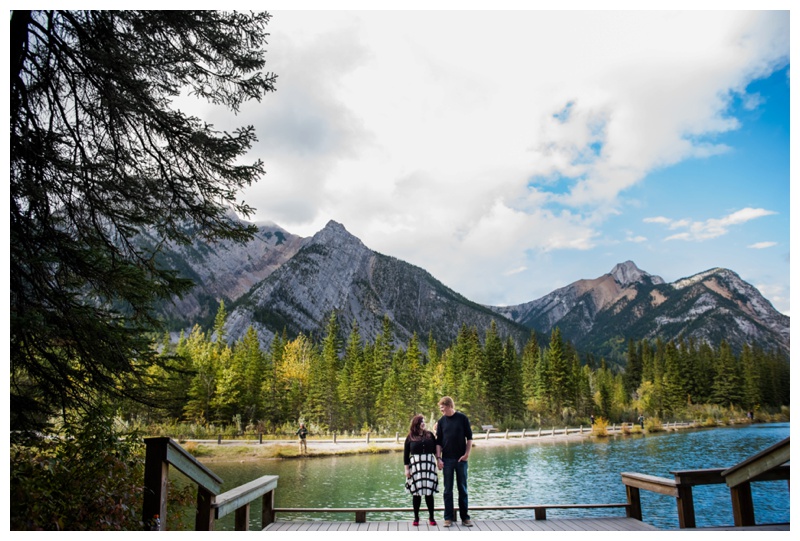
{"x": 752, "y": 467}
{"x": 660, "y": 485}
{"x": 238, "y": 500}
{"x": 739, "y": 477}
{"x": 681, "y": 486}
{"x": 163, "y": 452}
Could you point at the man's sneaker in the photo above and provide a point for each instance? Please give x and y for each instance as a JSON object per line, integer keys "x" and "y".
{"x": 467, "y": 523}
{"x": 448, "y": 523}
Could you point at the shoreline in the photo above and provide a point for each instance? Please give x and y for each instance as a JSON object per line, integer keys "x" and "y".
{"x": 251, "y": 450}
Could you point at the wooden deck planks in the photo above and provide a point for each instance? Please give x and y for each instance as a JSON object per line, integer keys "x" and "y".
{"x": 558, "y": 525}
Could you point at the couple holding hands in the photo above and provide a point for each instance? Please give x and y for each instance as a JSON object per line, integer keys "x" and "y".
{"x": 446, "y": 448}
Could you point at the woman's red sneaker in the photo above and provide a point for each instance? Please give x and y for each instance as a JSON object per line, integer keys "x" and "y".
{"x": 416, "y": 523}
{"x": 432, "y": 522}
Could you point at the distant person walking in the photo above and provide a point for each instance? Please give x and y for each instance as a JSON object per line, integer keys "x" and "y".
{"x": 453, "y": 444}
{"x": 419, "y": 458}
{"x": 641, "y": 421}
{"x": 301, "y": 433}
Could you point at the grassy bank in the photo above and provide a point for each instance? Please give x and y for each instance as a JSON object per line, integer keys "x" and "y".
{"x": 207, "y": 452}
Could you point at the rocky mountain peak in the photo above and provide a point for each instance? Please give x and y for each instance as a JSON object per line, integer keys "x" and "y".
{"x": 628, "y": 273}
{"x": 335, "y": 234}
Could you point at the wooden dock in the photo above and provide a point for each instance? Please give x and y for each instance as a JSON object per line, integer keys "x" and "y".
{"x": 615, "y": 524}
{"x": 212, "y": 504}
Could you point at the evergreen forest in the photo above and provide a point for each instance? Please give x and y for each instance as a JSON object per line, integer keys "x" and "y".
{"x": 346, "y": 385}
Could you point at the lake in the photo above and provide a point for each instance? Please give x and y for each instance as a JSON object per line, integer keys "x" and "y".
{"x": 540, "y": 472}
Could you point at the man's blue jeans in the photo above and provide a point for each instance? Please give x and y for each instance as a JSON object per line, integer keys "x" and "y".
{"x": 453, "y": 466}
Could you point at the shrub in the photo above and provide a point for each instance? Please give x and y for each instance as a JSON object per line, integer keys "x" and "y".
{"x": 653, "y": 424}
{"x": 600, "y": 427}
{"x": 88, "y": 482}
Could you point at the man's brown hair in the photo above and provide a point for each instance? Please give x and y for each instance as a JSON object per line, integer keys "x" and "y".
{"x": 446, "y": 401}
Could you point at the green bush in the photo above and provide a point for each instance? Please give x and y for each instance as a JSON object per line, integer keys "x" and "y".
{"x": 653, "y": 424}
{"x": 89, "y": 482}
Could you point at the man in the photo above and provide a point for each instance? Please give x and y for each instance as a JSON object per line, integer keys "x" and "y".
{"x": 302, "y": 432}
{"x": 453, "y": 444}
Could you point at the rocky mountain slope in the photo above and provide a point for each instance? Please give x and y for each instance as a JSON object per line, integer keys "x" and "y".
{"x": 282, "y": 281}
{"x": 222, "y": 272}
{"x": 335, "y": 271}
{"x": 600, "y": 315}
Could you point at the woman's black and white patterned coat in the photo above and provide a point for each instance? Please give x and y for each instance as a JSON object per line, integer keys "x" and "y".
{"x": 420, "y": 456}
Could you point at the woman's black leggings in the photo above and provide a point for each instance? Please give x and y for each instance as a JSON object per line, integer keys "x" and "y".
{"x": 418, "y": 501}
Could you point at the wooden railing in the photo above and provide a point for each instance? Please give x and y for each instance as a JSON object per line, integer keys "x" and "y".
{"x": 765, "y": 466}
{"x": 211, "y": 504}
{"x": 360, "y": 513}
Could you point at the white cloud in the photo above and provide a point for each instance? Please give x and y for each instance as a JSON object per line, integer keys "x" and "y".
{"x": 713, "y": 227}
{"x": 762, "y": 245}
{"x": 658, "y": 220}
{"x": 472, "y": 142}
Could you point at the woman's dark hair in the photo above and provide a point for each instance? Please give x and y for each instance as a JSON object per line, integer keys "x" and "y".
{"x": 415, "y": 431}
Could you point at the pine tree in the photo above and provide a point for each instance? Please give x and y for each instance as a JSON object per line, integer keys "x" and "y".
{"x": 727, "y": 388}
{"x": 633, "y": 368}
{"x": 298, "y": 361}
{"x": 273, "y": 388}
{"x": 413, "y": 376}
{"x": 512, "y": 406}
{"x": 492, "y": 372}
{"x": 352, "y": 382}
{"x": 530, "y": 360}
{"x": 558, "y": 373}
{"x": 751, "y": 384}
{"x": 323, "y": 381}
{"x": 674, "y": 380}
{"x": 99, "y": 154}
{"x": 203, "y": 387}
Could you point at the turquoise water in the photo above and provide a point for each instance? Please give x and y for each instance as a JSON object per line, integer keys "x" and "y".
{"x": 586, "y": 471}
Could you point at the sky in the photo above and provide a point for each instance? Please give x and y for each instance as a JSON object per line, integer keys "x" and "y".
{"x": 510, "y": 153}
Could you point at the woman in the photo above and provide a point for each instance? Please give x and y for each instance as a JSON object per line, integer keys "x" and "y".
{"x": 419, "y": 457}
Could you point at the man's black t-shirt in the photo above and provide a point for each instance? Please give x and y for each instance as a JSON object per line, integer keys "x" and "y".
{"x": 452, "y": 434}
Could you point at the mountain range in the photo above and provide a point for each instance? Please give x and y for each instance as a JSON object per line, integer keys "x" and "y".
{"x": 282, "y": 282}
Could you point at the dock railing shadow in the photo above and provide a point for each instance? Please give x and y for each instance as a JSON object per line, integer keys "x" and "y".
{"x": 768, "y": 465}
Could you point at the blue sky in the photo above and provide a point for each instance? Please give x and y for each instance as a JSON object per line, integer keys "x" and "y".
{"x": 510, "y": 153}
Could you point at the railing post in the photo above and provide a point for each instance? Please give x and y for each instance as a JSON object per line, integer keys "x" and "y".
{"x": 204, "y": 520}
{"x": 267, "y": 509}
{"x": 742, "y": 502}
{"x": 540, "y": 513}
{"x": 367, "y": 436}
{"x": 361, "y": 516}
{"x": 334, "y": 437}
{"x": 219, "y": 439}
{"x": 397, "y": 437}
{"x": 242, "y": 518}
{"x": 634, "y": 509}
{"x": 685, "y": 502}
{"x": 156, "y": 470}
